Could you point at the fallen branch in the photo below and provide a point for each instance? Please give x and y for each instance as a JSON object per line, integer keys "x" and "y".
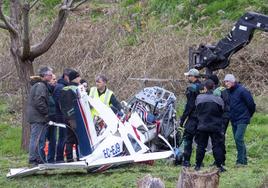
{"x": 77, "y": 5}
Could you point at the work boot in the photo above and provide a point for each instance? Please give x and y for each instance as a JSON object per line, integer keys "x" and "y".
{"x": 221, "y": 169}
{"x": 214, "y": 164}
{"x": 70, "y": 160}
{"x": 197, "y": 167}
{"x": 60, "y": 161}
{"x": 32, "y": 163}
{"x": 186, "y": 164}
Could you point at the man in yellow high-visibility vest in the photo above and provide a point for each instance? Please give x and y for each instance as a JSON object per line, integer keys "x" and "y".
{"x": 104, "y": 94}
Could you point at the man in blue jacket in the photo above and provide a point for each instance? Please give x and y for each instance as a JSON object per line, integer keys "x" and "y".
{"x": 242, "y": 108}
{"x": 62, "y": 82}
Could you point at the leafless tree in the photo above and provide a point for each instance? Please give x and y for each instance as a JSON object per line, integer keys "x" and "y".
{"x": 22, "y": 51}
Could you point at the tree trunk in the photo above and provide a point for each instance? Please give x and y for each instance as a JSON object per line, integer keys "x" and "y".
{"x": 27, "y": 68}
{"x": 198, "y": 179}
{"x": 24, "y": 71}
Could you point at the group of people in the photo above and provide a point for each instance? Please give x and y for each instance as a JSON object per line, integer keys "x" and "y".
{"x": 208, "y": 110}
{"x": 54, "y": 100}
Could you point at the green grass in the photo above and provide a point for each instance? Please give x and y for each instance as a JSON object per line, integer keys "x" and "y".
{"x": 200, "y": 13}
{"x": 250, "y": 176}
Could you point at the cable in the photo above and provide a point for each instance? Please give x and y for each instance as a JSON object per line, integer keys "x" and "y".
{"x": 44, "y": 129}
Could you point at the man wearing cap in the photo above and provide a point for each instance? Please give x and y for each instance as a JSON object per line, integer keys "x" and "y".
{"x": 242, "y": 108}
{"x": 61, "y": 83}
{"x": 68, "y": 98}
{"x": 104, "y": 94}
{"x": 189, "y": 114}
{"x": 37, "y": 115}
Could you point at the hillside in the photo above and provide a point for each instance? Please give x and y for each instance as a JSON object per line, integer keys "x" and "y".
{"x": 138, "y": 39}
{"x": 146, "y": 38}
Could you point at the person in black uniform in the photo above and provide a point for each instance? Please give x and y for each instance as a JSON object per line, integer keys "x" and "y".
{"x": 223, "y": 93}
{"x": 68, "y": 99}
{"x": 209, "y": 111}
{"x": 189, "y": 115}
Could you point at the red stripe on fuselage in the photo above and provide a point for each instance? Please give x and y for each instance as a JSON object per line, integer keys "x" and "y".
{"x": 136, "y": 132}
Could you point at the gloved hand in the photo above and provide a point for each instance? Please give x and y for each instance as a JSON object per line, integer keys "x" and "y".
{"x": 181, "y": 122}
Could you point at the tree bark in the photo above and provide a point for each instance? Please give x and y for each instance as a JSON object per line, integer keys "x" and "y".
{"x": 190, "y": 178}
{"x": 27, "y": 69}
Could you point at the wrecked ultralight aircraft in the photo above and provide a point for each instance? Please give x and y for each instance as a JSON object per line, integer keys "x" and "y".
{"x": 123, "y": 140}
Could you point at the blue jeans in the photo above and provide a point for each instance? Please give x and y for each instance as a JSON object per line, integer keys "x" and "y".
{"x": 61, "y": 144}
{"x": 51, "y": 136}
{"x": 239, "y": 133}
{"x": 36, "y": 149}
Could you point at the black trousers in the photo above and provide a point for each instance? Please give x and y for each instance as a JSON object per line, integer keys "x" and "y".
{"x": 217, "y": 139}
{"x": 188, "y": 142}
{"x": 70, "y": 141}
{"x": 188, "y": 137}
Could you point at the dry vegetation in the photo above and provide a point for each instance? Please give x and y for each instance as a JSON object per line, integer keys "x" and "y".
{"x": 99, "y": 47}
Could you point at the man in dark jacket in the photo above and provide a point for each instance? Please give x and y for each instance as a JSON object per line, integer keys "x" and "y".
{"x": 189, "y": 113}
{"x": 52, "y": 131}
{"x": 37, "y": 115}
{"x": 242, "y": 108}
{"x": 68, "y": 99}
{"x": 223, "y": 93}
{"x": 209, "y": 110}
{"x": 62, "y": 82}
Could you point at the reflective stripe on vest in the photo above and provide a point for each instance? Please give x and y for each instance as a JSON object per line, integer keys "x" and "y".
{"x": 72, "y": 87}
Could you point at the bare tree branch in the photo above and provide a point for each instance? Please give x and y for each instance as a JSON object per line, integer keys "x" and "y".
{"x": 52, "y": 36}
{"x": 75, "y": 6}
{"x": 69, "y": 3}
{"x": 3, "y": 26}
{"x": 26, "y": 38}
{"x": 6, "y": 20}
{"x": 33, "y": 4}
{"x": 40, "y": 48}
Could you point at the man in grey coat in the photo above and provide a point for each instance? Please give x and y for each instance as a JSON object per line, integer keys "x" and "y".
{"x": 37, "y": 114}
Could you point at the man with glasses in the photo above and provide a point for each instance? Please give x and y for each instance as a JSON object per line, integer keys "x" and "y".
{"x": 104, "y": 94}
{"x": 37, "y": 115}
{"x": 189, "y": 114}
{"x": 242, "y": 108}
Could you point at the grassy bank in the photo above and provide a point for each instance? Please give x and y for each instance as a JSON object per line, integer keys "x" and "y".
{"x": 251, "y": 176}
